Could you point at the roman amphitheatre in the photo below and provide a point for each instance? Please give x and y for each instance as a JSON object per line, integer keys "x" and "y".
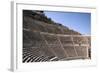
{"x": 45, "y": 40}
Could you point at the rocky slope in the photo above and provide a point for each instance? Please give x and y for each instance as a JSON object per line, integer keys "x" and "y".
{"x": 37, "y": 21}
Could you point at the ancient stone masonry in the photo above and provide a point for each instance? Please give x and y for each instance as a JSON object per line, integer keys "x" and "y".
{"x": 46, "y": 40}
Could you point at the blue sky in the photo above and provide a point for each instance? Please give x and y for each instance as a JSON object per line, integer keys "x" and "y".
{"x": 80, "y": 22}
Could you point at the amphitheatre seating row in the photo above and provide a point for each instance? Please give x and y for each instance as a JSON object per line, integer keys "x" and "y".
{"x": 34, "y": 24}
{"x": 58, "y": 51}
{"x": 48, "y": 47}
{"x": 36, "y": 55}
{"x": 79, "y": 40}
{"x": 70, "y": 51}
{"x": 81, "y": 51}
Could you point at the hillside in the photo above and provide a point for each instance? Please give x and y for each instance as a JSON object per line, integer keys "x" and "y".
{"x": 37, "y": 21}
